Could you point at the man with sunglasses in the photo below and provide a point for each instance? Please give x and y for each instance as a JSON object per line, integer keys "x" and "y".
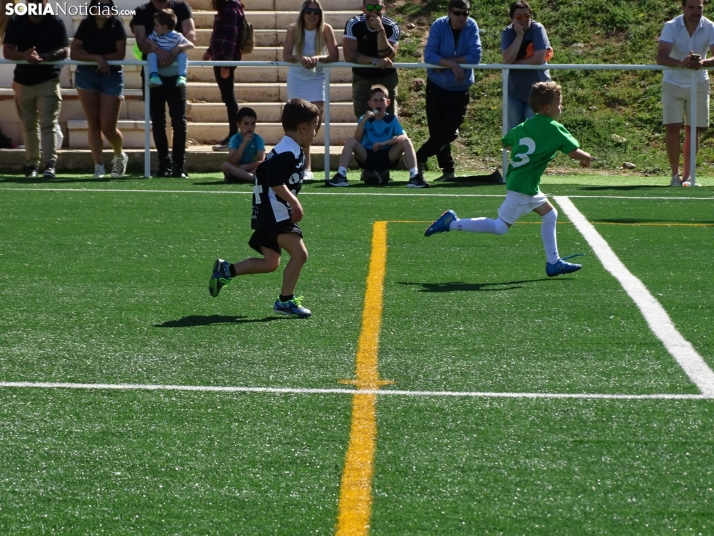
{"x": 453, "y": 40}
{"x": 170, "y": 165}
{"x": 371, "y": 39}
{"x": 523, "y": 42}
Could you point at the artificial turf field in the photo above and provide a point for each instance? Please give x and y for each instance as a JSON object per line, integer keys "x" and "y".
{"x": 131, "y": 402}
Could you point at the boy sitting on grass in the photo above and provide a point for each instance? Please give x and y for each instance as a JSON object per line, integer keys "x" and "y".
{"x": 382, "y": 142}
{"x": 277, "y": 211}
{"x": 246, "y": 149}
{"x": 533, "y": 145}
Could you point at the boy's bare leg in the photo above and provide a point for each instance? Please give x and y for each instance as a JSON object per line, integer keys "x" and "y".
{"x": 238, "y": 173}
{"x": 293, "y": 244}
{"x": 352, "y": 146}
{"x": 254, "y": 265}
{"x": 404, "y": 146}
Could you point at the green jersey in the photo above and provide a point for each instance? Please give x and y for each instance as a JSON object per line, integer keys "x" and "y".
{"x": 533, "y": 145}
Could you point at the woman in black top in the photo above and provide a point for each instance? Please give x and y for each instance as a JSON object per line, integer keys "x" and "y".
{"x": 101, "y": 37}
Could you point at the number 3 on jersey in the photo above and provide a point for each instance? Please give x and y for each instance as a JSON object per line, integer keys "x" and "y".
{"x": 520, "y": 159}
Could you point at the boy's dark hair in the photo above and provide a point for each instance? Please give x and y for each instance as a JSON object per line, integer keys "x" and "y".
{"x": 543, "y": 93}
{"x": 459, "y": 4}
{"x": 166, "y": 17}
{"x": 297, "y": 112}
{"x": 378, "y": 88}
{"x": 521, "y": 4}
{"x": 246, "y": 112}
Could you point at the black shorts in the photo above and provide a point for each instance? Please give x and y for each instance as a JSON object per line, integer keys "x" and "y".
{"x": 378, "y": 160}
{"x": 267, "y": 237}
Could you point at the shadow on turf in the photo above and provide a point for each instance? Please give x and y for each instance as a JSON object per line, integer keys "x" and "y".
{"x": 460, "y": 286}
{"x": 209, "y": 320}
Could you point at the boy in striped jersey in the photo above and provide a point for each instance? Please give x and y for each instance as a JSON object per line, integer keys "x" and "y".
{"x": 165, "y": 37}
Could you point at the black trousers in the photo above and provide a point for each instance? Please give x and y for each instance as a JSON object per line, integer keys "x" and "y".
{"x": 228, "y": 96}
{"x": 175, "y": 97}
{"x": 445, "y": 112}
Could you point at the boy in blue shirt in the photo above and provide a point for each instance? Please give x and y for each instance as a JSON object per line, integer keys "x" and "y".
{"x": 382, "y": 143}
{"x": 246, "y": 149}
{"x": 533, "y": 144}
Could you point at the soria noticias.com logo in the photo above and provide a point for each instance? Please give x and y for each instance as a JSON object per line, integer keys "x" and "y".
{"x": 62, "y": 8}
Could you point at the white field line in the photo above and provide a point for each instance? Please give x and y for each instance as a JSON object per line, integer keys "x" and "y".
{"x": 342, "y": 192}
{"x": 657, "y": 318}
{"x": 380, "y": 392}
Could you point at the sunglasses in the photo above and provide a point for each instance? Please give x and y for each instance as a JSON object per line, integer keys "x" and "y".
{"x": 312, "y": 11}
{"x": 525, "y": 16}
{"x": 460, "y": 13}
{"x": 371, "y": 7}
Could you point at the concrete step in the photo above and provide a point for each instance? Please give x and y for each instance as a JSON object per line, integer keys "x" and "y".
{"x": 262, "y": 74}
{"x": 263, "y": 38}
{"x": 260, "y": 92}
{"x": 199, "y": 158}
{"x": 258, "y": 54}
{"x": 280, "y": 20}
{"x": 268, "y": 112}
{"x": 277, "y": 5}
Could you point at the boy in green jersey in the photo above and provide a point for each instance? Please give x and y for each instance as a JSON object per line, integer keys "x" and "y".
{"x": 533, "y": 144}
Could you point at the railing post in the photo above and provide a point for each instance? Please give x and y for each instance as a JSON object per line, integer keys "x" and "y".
{"x": 504, "y": 130}
{"x": 693, "y": 131}
{"x": 147, "y": 124}
{"x": 326, "y": 124}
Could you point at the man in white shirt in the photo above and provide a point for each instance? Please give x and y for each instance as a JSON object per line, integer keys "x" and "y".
{"x": 684, "y": 43}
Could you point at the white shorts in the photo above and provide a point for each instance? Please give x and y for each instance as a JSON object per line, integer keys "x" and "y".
{"x": 516, "y": 205}
{"x": 677, "y": 104}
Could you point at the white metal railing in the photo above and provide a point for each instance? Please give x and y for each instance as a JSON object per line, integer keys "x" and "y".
{"x": 504, "y": 68}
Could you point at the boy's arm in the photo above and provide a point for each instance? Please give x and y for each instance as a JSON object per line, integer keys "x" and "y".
{"x": 359, "y": 131}
{"x": 183, "y": 46}
{"x": 253, "y": 165}
{"x": 286, "y": 195}
{"x": 580, "y": 155}
{"x": 388, "y": 143}
{"x": 235, "y": 155}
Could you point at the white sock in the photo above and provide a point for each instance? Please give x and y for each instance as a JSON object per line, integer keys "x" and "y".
{"x": 412, "y": 172}
{"x": 480, "y": 225}
{"x": 342, "y": 170}
{"x": 547, "y": 234}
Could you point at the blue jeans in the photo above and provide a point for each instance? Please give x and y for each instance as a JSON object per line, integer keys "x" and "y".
{"x": 518, "y": 111}
{"x": 181, "y": 60}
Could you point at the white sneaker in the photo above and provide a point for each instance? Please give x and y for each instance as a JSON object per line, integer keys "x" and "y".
{"x": 99, "y": 171}
{"x": 119, "y": 165}
{"x": 676, "y": 181}
{"x": 687, "y": 184}
{"x": 308, "y": 176}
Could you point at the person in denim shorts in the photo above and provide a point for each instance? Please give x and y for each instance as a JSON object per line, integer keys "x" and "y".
{"x": 101, "y": 37}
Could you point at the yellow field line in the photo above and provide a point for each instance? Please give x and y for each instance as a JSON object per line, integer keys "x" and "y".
{"x": 355, "y": 502}
{"x": 595, "y": 222}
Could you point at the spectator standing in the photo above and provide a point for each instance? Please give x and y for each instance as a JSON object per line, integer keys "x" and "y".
{"x": 371, "y": 39}
{"x": 39, "y": 40}
{"x": 101, "y": 37}
{"x": 453, "y": 39}
{"x": 174, "y": 164}
{"x": 225, "y": 46}
{"x": 684, "y": 43}
{"x": 309, "y": 42}
{"x": 523, "y": 42}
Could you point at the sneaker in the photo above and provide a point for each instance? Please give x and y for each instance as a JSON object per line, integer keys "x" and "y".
{"x": 31, "y": 172}
{"x": 119, "y": 163}
{"x": 417, "y": 181}
{"x": 99, "y": 171}
{"x": 441, "y": 225}
{"x": 687, "y": 184}
{"x": 164, "y": 168}
{"x": 308, "y": 176}
{"x": 222, "y": 145}
{"x": 561, "y": 267}
{"x": 221, "y": 276}
{"x": 292, "y": 308}
{"x": 155, "y": 81}
{"x": 179, "y": 173}
{"x": 49, "y": 171}
{"x": 338, "y": 180}
{"x": 228, "y": 178}
{"x": 181, "y": 81}
{"x": 446, "y": 177}
{"x": 676, "y": 181}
